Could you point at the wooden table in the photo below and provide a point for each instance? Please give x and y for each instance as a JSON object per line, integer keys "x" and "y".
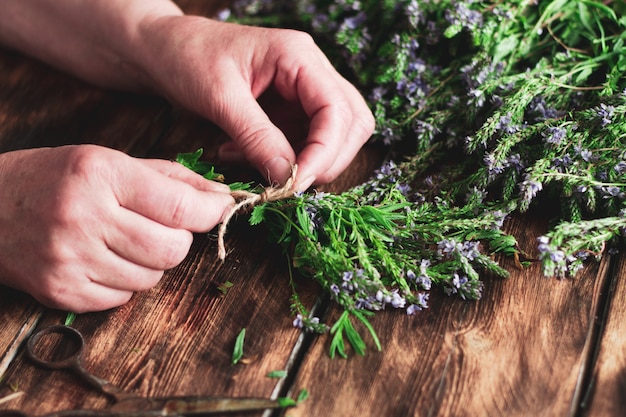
{"x": 533, "y": 346}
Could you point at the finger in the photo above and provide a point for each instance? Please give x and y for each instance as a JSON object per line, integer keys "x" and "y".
{"x": 81, "y": 290}
{"x": 259, "y": 140}
{"x": 146, "y": 243}
{"x": 177, "y": 171}
{"x": 169, "y": 201}
{"x": 100, "y": 298}
{"x": 330, "y": 119}
{"x": 340, "y": 121}
{"x": 106, "y": 267}
{"x": 320, "y": 142}
{"x": 85, "y": 296}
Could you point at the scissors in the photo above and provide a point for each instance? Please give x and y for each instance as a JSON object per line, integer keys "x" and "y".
{"x": 127, "y": 404}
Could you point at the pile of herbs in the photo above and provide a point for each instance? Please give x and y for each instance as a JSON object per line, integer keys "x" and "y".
{"x": 484, "y": 106}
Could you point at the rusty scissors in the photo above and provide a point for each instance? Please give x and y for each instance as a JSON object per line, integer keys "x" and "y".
{"x": 124, "y": 403}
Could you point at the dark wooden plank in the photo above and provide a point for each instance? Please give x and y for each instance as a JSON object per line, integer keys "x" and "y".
{"x": 18, "y": 316}
{"x": 178, "y": 338}
{"x": 517, "y": 352}
{"x": 42, "y": 107}
{"x": 606, "y": 394}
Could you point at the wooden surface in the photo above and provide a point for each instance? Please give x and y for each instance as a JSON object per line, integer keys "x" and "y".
{"x": 533, "y": 346}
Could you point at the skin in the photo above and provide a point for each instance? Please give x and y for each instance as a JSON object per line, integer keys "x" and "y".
{"x": 100, "y": 224}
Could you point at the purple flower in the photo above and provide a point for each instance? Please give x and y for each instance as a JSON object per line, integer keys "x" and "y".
{"x": 298, "y": 322}
{"x": 422, "y": 303}
{"x": 586, "y": 155}
{"x": 557, "y": 256}
{"x": 530, "y": 189}
{"x": 223, "y": 15}
{"x": 515, "y": 161}
{"x": 554, "y": 135}
{"x": 504, "y": 124}
{"x": 494, "y": 167}
{"x": 464, "y": 16}
{"x": 544, "y": 244}
{"x": 605, "y": 112}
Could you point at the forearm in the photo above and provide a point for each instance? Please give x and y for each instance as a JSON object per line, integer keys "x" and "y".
{"x": 96, "y": 40}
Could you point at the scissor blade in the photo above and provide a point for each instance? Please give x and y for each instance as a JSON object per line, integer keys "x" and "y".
{"x": 191, "y": 406}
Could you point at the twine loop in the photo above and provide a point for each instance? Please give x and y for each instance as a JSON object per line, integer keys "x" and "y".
{"x": 246, "y": 199}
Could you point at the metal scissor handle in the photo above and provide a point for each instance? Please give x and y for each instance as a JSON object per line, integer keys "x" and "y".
{"x": 73, "y": 361}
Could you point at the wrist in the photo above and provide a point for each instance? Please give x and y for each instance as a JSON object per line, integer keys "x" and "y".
{"x": 165, "y": 50}
{"x": 124, "y": 37}
{"x": 96, "y": 40}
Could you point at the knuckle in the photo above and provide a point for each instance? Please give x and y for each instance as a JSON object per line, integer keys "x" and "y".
{"x": 66, "y": 212}
{"x": 86, "y": 161}
{"x": 367, "y": 124}
{"x": 289, "y": 39}
{"x": 181, "y": 208}
{"x": 54, "y": 293}
{"x": 301, "y": 38}
{"x": 251, "y": 139}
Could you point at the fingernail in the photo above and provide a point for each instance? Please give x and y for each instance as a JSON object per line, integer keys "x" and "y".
{"x": 277, "y": 169}
{"x": 304, "y": 184}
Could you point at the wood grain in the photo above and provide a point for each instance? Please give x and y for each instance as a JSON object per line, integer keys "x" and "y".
{"x": 527, "y": 348}
{"x": 517, "y": 352}
{"x": 606, "y": 394}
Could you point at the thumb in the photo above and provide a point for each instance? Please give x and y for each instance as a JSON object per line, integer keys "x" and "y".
{"x": 262, "y": 143}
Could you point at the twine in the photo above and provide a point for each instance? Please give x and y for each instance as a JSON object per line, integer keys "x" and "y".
{"x": 246, "y": 199}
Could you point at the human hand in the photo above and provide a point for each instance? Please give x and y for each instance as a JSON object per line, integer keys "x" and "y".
{"x": 83, "y": 227}
{"x": 222, "y": 71}
{"x": 225, "y": 72}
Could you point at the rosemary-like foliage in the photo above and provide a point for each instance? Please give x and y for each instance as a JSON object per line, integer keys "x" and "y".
{"x": 496, "y": 103}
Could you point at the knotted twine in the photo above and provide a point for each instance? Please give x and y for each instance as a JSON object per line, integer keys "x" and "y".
{"x": 246, "y": 199}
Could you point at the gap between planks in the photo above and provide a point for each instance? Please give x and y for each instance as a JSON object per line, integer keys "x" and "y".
{"x": 25, "y": 330}
{"x": 584, "y": 389}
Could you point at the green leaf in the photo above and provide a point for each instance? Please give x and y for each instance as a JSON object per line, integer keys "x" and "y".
{"x": 505, "y": 47}
{"x": 238, "y": 350}
{"x": 602, "y": 7}
{"x": 277, "y": 374}
{"x": 302, "y": 396}
{"x": 69, "y": 319}
{"x": 452, "y": 31}
{"x": 286, "y": 402}
{"x": 370, "y": 328}
{"x": 189, "y": 160}
{"x": 235, "y": 186}
{"x": 336, "y": 344}
{"x": 224, "y": 287}
{"x": 343, "y": 327}
{"x": 257, "y": 215}
{"x": 192, "y": 161}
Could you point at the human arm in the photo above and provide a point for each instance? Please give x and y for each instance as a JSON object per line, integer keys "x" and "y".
{"x": 218, "y": 70}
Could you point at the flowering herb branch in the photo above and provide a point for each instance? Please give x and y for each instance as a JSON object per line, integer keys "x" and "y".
{"x": 484, "y": 105}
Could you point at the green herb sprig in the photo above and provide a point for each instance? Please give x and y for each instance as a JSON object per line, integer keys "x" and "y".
{"x": 484, "y": 106}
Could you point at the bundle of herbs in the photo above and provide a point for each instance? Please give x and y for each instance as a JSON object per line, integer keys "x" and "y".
{"x": 484, "y": 106}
